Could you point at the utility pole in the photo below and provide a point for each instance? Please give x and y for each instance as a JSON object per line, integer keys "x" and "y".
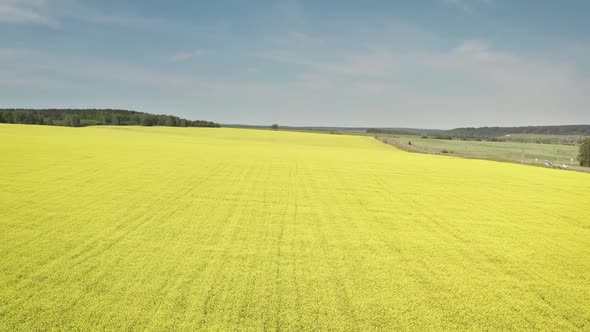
{"x": 522, "y": 161}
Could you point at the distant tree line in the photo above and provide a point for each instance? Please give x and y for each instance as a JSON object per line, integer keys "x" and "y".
{"x": 466, "y": 138}
{"x": 93, "y": 117}
{"x": 568, "y": 134}
{"x": 584, "y": 156}
{"x": 524, "y": 138}
{"x": 389, "y": 131}
{"x": 582, "y": 130}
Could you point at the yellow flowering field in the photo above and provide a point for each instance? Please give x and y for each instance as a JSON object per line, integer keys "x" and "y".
{"x": 134, "y": 228}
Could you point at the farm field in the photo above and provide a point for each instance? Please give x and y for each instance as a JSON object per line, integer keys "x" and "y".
{"x": 133, "y": 228}
{"x": 546, "y": 139}
{"x": 504, "y": 151}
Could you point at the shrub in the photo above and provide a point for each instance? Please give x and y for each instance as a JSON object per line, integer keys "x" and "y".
{"x": 584, "y": 155}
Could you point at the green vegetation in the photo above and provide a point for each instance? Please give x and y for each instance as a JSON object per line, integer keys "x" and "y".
{"x": 573, "y": 134}
{"x": 584, "y": 154}
{"x": 504, "y": 151}
{"x": 93, "y": 117}
{"x": 579, "y": 130}
{"x": 547, "y": 139}
{"x": 523, "y": 138}
{"x": 182, "y": 229}
{"x": 403, "y": 131}
{"x": 388, "y": 131}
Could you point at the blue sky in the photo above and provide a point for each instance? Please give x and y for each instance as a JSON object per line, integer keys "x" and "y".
{"x": 429, "y": 63}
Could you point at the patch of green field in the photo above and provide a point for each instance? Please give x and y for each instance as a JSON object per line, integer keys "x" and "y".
{"x": 507, "y": 151}
{"x": 546, "y": 139}
{"x": 133, "y": 228}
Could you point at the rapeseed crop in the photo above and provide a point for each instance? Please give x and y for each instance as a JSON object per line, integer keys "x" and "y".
{"x": 198, "y": 228}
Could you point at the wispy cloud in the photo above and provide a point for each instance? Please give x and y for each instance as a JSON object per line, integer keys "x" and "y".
{"x": 348, "y": 72}
{"x": 377, "y": 64}
{"x": 134, "y": 21}
{"x": 31, "y": 83}
{"x": 297, "y": 36}
{"x": 473, "y": 77}
{"x": 26, "y": 12}
{"x": 316, "y": 82}
{"x": 465, "y": 5}
{"x": 185, "y": 56}
{"x": 363, "y": 89}
{"x": 51, "y": 13}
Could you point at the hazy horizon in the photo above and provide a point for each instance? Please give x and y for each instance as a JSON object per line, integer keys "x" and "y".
{"x": 437, "y": 64}
{"x": 393, "y": 127}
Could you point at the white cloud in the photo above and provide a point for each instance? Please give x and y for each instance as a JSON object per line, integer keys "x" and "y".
{"x": 33, "y": 83}
{"x": 458, "y": 3}
{"x": 390, "y": 76}
{"x": 372, "y": 64}
{"x": 301, "y": 37}
{"x": 379, "y": 63}
{"x": 185, "y": 56}
{"x": 364, "y": 89}
{"x": 465, "y": 5}
{"x": 11, "y": 53}
{"x": 510, "y": 73}
{"x": 315, "y": 82}
{"x": 26, "y": 12}
{"x": 472, "y": 82}
{"x": 43, "y": 66}
{"x": 124, "y": 20}
{"x": 51, "y": 13}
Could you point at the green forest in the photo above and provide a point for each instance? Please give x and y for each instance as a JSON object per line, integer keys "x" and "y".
{"x": 94, "y": 117}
